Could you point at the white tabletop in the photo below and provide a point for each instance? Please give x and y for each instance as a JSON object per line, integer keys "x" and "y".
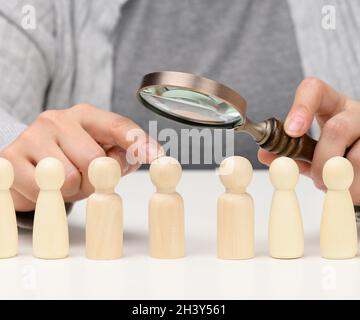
{"x": 197, "y": 276}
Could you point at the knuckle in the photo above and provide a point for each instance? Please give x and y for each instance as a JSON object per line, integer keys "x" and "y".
{"x": 97, "y": 154}
{"x": 73, "y": 178}
{"x": 92, "y": 155}
{"x": 8, "y": 153}
{"x": 119, "y": 122}
{"x": 29, "y": 141}
{"x": 72, "y": 183}
{"x": 50, "y": 117}
{"x": 354, "y": 156}
{"x": 82, "y": 107}
{"x": 336, "y": 128}
{"x": 27, "y": 137}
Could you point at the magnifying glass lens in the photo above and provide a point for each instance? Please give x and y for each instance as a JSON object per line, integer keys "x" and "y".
{"x": 190, "y": 105}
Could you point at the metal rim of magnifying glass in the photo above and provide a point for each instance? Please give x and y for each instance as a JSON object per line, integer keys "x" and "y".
{"x": 197, "y": 84}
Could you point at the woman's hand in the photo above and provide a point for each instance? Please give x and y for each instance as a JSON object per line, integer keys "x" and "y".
{"x": 339, "y": 120}
{"x": 75, "y": 136}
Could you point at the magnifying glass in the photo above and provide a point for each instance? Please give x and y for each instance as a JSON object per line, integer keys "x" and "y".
{"x": 201, "y": 102}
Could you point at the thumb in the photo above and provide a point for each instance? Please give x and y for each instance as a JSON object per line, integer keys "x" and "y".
{"x": 313, "y": 96}
{"x": 298, "y": 121}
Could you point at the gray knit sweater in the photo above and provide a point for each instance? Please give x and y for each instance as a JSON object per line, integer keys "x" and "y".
{"x": 70, "y": 56}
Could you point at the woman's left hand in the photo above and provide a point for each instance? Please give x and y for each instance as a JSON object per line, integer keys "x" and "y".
{"x": 339, "y": 120}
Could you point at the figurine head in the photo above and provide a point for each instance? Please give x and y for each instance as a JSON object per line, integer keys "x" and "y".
{"x": 50, "y": 174}
{"x": 284, "y": 173}
{"x": 104, "y": 173}
{"x": 165, "y": 173}
{"x": 235, "y": 173}
{"x": 338, "y": 173}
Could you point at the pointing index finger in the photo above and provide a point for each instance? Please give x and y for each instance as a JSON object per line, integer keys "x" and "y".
{"x": 112, "y": 129}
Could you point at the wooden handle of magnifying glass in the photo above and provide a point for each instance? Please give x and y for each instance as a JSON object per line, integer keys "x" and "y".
{"x": 280, "y": 143}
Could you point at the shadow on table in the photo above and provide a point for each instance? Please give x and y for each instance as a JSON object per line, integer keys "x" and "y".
{"x": 77, "y": 236}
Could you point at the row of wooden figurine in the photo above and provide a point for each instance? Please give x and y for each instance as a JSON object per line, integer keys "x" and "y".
{"x": 235, "y": 211}
{"x": 235, "y": 234}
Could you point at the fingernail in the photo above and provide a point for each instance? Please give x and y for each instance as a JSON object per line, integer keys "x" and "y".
{"x": 150, "y": 151}
{"x": 295, "y": 124}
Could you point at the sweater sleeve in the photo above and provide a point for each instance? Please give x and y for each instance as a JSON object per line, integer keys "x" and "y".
{"x": 10, "y": 127}
{"x": 26, "y": 63}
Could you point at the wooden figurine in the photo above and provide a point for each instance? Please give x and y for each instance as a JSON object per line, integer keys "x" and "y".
{"x": 338, "y": 233}
{"x": 8, "y": 226}
{"x": 235, "y": 211}
{"x": 104, "y": 212}
{"x": 50, "y": 234}
{"x": 286, "y": 232}
{"x": 166, "y": 211}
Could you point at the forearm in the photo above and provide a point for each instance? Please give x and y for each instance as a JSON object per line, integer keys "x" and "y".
{"x": 24, "y": 73}
{"x": 10, "y": 128}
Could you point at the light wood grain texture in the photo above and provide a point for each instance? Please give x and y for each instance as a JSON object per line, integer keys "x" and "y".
{"x": 235, "y": 211}
{"x": 104, "y": 212}
{"x": 338, "y": 232}
{"x": 8, "y": 226}
{"x": 166, "y": 211}
{"x": 50, "y": 234}
{"x": 286, "y": 232}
